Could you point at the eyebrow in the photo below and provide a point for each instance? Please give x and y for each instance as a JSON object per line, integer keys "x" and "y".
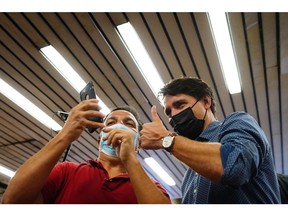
{"x": 175, "y": 104}
{"x": 130, "y": 119}
{"x": 110, "y": 117}
{"x": 124, "y": 120}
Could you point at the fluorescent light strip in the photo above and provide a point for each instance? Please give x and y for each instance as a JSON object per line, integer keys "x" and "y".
{"x": 64, "y": 68}
{"x": 139, "y": 54}
{"x": 28, "y": 106}
{"x": 223, "y": 41}
{"x": 159, "y": 171}
{"x": 6, "y": 171}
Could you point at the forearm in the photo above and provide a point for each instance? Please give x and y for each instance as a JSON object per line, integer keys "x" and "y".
{"x": 145, "y": 189}
{"x": 29, "y": 179}
{"x": 204, "y": 158}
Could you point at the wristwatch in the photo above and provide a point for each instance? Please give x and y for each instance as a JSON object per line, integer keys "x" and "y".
{"x": 168, "y": 142}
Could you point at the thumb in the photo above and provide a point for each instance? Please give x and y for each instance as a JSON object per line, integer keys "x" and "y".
{"x": 154, "y": 114}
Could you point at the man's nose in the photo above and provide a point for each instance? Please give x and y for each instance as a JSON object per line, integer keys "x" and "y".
{"x": 174, "y": 112}
{"x": 120, "y": 122}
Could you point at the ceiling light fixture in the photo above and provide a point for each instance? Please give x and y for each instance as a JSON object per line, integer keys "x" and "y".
{"x": 6, "y": 171}
{"x": 28, "y": 106}
{"x": 140, "y": 56}
{"x": 159, "y": 171}
{"x": 65, "y": 69}
{"x": 219, "y": 25}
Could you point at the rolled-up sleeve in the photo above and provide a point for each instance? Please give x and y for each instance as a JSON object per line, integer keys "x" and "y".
{"x": 243, "y": 149}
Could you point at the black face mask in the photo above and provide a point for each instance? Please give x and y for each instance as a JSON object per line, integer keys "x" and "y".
{"x": 186, "y": 124}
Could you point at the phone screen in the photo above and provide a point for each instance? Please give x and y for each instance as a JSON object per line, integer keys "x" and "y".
{"x": 89, "y": 93}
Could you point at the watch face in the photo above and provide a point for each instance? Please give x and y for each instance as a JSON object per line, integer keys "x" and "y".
{"x": 167, "y": 141}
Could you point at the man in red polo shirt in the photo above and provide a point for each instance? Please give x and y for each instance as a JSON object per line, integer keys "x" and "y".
{"x": 116, "y": 177}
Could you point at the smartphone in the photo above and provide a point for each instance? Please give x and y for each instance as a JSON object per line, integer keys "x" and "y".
{"x": 89, "y": 93}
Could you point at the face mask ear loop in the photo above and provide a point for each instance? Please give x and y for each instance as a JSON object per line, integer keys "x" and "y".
{"x": 205, "y": 115}
{"x": 195, "y": 103}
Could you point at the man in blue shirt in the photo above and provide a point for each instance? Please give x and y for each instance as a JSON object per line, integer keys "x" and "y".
{"x": 229, "y": 161}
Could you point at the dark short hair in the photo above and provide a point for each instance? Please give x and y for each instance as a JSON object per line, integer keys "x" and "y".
{"x": 129, "y": 109}
{"x": 192, "y": 86}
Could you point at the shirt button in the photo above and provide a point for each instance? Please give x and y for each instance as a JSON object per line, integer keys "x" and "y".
{"x": 196, "y": 174}
{"x": 195, "y": 190}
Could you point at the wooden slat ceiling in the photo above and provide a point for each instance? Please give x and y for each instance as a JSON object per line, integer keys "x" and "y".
{"x": 180, "y": 44}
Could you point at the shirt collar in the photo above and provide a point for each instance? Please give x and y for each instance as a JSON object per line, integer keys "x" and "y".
{"x": 96, "y": 163}
{"x": 210, "y": 131}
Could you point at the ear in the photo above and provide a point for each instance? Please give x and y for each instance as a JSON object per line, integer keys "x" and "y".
{"x": 207, "y": 102}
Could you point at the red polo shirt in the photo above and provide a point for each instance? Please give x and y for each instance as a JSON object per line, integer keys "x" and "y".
{"x": 88, "y": 183}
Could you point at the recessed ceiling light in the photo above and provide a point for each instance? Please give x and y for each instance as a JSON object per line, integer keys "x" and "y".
{"x": 224, "y": 43}
{"x": 140, "y": 56}
{"x": 28, "y": 106}
{"x": 6, "y": 171}
{"x": 65, "y": 69}
{"x": 154, "y": 165}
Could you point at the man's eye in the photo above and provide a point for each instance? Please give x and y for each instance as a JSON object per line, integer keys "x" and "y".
{"x": 180, "y": 106}
{"x": 110, "y": 123}
{"x": 130, "y": 124}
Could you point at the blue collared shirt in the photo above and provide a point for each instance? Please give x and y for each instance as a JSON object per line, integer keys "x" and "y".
{"x": 249, "y": 172}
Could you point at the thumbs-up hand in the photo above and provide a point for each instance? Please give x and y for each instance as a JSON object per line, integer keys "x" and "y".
{"x": 153, "y": 132}
{"x": 154, "y": 114}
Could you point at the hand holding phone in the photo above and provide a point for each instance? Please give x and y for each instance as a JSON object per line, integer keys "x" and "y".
{"x": 89, "y": 93}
